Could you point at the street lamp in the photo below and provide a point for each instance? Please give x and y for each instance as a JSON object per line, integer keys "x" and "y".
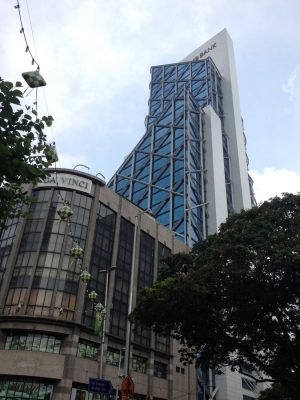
{"x": 85, "y": 276}
{"x": 119, "y": 371}
{"x": 92, "y": 296}
{"x": 130, "y": 303}
{"x": 107, "y": 271}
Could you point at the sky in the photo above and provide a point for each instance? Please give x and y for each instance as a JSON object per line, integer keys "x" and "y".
{"x": 96, "y": 55}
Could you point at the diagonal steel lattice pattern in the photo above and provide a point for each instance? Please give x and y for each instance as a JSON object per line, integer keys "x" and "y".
{"x": 165, "y": 172}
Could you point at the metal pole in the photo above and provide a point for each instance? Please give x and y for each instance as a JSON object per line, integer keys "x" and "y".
{"x": 104, "y": 324}
{"x": 130, "y": 303}
{"x": 128, "y": 327}
{"x": 119, "y": 370}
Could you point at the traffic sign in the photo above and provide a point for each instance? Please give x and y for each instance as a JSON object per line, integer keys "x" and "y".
{"x": 127, "y": 388}
{"x": 102, "y": 386}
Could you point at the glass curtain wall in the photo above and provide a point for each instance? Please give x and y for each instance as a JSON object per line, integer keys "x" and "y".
{"x": 45, "y": 277}
{"x": 122, "y": 281}
{"x": 33, "y": 341}
{"x": 165, "y": 170}
{"x": 13, "y": 388}
{"x": 6, "y": 241}
{"x": 142, "y": 336}
{"x": 100, "y": 260}
{"x": 28, "y": 251}
{"x": 162, "y": 342}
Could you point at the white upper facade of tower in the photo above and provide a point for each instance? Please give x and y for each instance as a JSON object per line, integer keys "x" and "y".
{"x": 220, "y": 49}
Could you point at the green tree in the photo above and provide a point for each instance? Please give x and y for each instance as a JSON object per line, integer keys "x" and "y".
{"x": 276, "y": 392}
{"x": 236, "y": 295}
{"x": 23, "y": 149}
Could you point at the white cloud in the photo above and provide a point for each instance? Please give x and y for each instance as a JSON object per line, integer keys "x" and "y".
{"x": 71, "y": 160}
{"x": 273, "y": 182}
{"x": 96, "y": 55}
{"x": 136, "y": 14}
{"x": 292, "y": 88}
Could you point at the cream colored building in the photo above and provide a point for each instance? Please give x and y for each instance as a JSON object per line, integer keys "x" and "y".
{"x": 48, "y": 348}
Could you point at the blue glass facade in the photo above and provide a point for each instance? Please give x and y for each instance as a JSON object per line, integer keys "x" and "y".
{"x": 165, "y": 171}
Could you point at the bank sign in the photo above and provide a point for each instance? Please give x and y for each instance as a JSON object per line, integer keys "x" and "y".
{"x": 206, "y": 51}
{"x": 68, "y": 181}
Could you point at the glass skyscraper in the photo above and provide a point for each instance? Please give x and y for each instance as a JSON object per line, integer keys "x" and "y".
{"x": 182, "y": 167}
{"x": 190, "y": 166}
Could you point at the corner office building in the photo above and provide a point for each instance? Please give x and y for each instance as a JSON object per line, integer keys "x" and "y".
{"x": 48, "y": 349}
{"x": 190, "y": 167}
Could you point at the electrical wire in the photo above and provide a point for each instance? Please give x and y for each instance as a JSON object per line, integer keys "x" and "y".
{"x": 36, "y": 54}
{"x": 29, "y": 18}
{"x": 22, "y": 30}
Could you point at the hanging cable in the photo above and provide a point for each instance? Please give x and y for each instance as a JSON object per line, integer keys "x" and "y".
{"x": 36, "y": 56}
{"x": 44, "y": 92}
{"x": 46, "y": 104}
{"x": 22, "y": 30}
{"x": 30, "y": 24}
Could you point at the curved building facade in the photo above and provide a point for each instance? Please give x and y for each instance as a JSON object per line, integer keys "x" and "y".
{"x": 48, "y": 346}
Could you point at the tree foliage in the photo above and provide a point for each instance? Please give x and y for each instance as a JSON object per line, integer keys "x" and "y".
{"x": 236, "y": 295}
{"x": 276, "y": 392}
{"x": 22, "y": 149}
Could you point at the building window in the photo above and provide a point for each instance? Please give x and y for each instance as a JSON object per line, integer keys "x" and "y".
{"x": 121, "y": 289}
{"x": 87, "y": 349}
{"x": 137, "y": 396}
{"x": 160, "y": 370}
{"x": 6, "y": 242}
{"x": 245, "y": 397}
{"x": 115, "y": 357}
{"x": 146, "y": 261}
{"x": 248, "y": 384}
{"x": 162, "y": 343}
{"x": 79, "y": 392}
{"x": 33, "y": 342}
{"x": 142, "y": 336}
{"x": 178, "y": 369}
{"x": 247, "y": 369}
{"x": 24, "y": 388}
{"x": 101, "y": 258}
{"x": 182, "y": 370}
{"x": 163, "y": 252}
{"x": 139, "y": 364}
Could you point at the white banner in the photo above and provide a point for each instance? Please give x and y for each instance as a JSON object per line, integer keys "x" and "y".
{"x": 68, "y": 181}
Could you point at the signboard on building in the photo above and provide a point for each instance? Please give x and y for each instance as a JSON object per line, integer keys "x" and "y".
{"x": 101, "y": 386}
{"x": 127, "y": 388}
{"x": 68, "y": 181}
{"x": 206, "y": 51}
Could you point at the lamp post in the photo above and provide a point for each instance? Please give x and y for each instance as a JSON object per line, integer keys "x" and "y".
{"x": 130, "y": 303}
{"x": 107, "y": 271}
{"x": 119, "y": 370}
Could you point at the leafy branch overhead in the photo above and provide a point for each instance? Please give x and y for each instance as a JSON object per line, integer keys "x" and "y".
{"x": 23, "y": 149}
{"x": 236, "y": 296}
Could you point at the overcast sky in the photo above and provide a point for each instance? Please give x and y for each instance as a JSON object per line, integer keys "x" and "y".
{"x": 95, "y": 56}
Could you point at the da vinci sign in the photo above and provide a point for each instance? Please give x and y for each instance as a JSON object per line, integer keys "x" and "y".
{"x": 68, "y": 181}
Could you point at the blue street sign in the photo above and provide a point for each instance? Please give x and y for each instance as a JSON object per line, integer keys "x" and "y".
{"x": 99, "y": 386}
